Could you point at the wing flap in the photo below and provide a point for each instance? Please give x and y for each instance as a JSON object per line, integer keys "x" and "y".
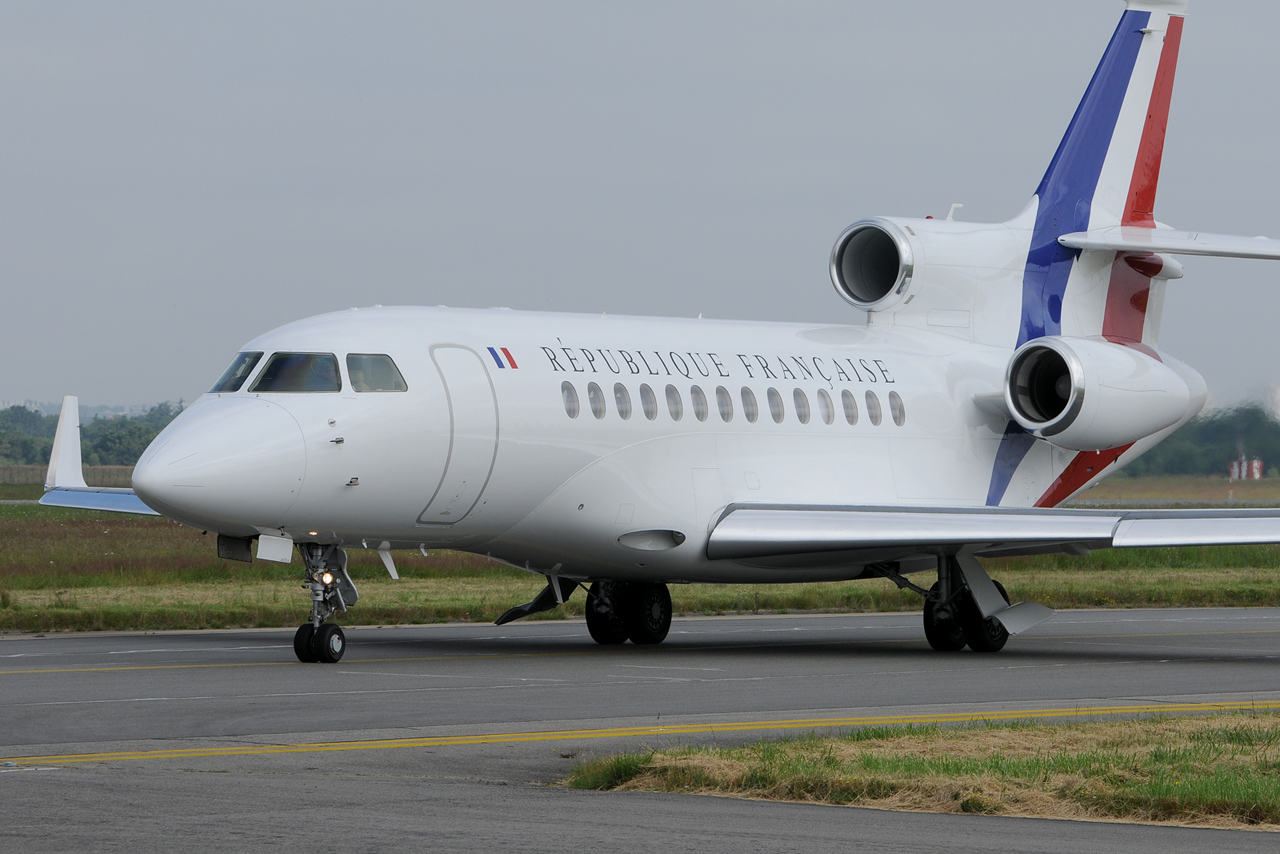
{"x": 1127, "y": 238}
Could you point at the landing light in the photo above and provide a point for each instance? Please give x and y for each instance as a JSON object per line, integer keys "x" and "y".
{"x": 327, "y": 578}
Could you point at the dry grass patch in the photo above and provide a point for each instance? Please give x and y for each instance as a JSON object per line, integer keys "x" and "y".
{"x": 1220, "y": 771}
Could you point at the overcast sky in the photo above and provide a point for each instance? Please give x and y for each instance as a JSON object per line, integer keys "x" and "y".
{"x": 180, "y": 177}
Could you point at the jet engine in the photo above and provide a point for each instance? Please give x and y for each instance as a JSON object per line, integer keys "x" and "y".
{"x": 872, "y": 263}
{"x": 1088, "y": 394}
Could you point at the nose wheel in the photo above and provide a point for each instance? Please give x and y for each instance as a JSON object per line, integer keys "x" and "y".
{"x": 326, "y": 645}
{"x": 331, "y": 591}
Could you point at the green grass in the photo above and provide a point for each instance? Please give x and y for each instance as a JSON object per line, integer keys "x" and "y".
{"x": 1221, "y": 770}
{"x": 72, "y": 569}
{"x": 20, "y": 491}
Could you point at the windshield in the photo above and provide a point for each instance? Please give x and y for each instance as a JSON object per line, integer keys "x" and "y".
{"x": 236, "y": 374}
{"x": 295, "y": 372}
{"x": 374, "y": 372}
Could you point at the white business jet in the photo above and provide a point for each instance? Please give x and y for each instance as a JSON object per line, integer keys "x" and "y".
{"x": 1004, "y": 369}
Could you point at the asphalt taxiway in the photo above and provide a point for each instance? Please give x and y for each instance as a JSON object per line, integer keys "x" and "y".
{"x": 452, "y": 736}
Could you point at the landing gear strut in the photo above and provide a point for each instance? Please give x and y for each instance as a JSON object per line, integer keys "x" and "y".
{"x": 637, "y": 611}
{"x": 331, "y": 591}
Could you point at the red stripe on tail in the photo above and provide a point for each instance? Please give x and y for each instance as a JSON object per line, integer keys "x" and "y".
{"x": 1146, "y": 168}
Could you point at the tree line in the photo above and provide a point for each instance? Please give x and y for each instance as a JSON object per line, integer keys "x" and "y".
{"x": 1205, "y": 445}
{"x": 26, "y": 436}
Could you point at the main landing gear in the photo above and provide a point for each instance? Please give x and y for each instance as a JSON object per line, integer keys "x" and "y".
{"x": 638, "y": 611}
{"x": 952, "y": 619}
{"x": 617, "y": 611}
{"x": 331, "y": 591}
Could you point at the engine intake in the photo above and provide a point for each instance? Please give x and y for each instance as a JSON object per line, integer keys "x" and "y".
{"x": 1086, "y": 394}
{"x": 872, "y": 263}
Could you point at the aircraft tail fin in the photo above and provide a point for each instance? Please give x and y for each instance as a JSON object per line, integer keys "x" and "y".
{"x": 1104, "y": 174}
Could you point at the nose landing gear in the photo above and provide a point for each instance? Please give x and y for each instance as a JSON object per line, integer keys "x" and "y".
{"x": 331, "y": 591}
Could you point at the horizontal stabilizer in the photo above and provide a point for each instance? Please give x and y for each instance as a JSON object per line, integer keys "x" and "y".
{"x": 746, "y": 532}
{"x": 93, "y": 498}
{"x": 1123, "y": 238}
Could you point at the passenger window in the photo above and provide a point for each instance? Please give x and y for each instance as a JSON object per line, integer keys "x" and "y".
{"x": 299, "y": 372}
{"x": 825, "y": 409}
{"x": 674, "y": 404}
{"x": 750, "y": 409}
{"x": 648, "y": 401}
{"x": 724, "y": 402}
{"x": 896, "y": 409}
{"x": 595, "y": 397}
{"x": 802, "y": 405}
{"x": 374, "y": 372}
{"x": 570, "y": 395}
{"x": 234, "y": 376}
{"x": 873, "y": 408}
{"x": 775, "y": 406}
{"x": 850, "y": 406}
{"x": 700, "y": 408}
{"x": 622, "y": 401}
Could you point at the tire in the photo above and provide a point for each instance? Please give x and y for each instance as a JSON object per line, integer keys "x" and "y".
{"x": 647, "y": 613}
{"x": 302, "y": 643}
{"x": 604, "y": 624}
{"x": 328, "y": 644}
{"x": 984, "y": 635}
{"x": 942, "y": 635}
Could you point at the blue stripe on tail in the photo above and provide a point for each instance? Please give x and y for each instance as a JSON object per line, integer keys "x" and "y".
{"x": 1066, "y": 192}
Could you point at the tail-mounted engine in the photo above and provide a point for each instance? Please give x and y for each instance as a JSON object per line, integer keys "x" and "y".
{"x": 872, "y": 264}
{"x": 1091, "y": 395}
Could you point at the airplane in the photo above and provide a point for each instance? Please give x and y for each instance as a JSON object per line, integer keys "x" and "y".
{"x": 1003, "y": 369}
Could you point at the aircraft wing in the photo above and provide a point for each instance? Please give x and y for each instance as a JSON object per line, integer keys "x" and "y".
{"x": 98, "y": 498}
{"x": 1122, "y": 238}
{"x": 746, "y": 531}
{"x": 65, "y": 481}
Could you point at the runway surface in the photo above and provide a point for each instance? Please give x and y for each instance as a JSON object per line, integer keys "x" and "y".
{"x": 449, "y": 736}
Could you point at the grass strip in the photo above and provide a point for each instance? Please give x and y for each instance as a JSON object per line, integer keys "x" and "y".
{"x": 77, "y": 570}
{"x": 1218, "y": 770}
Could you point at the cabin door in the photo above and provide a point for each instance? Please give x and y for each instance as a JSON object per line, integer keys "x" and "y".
{"x": 473, "y": 441}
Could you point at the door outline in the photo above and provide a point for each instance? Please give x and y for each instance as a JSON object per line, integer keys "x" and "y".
{"x": 449, "y": 457}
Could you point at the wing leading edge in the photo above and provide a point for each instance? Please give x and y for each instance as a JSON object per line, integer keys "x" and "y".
{"x": 746, "y": 532}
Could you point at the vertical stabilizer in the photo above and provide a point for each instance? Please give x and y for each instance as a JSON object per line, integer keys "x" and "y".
{"x": 1105, "y": 172}
{"x": 65, "y": 470}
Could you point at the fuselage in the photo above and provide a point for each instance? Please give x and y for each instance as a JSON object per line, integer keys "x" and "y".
{"x": 592, "y": 445}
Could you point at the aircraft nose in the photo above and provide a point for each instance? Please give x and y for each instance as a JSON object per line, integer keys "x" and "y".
{"x": 225, "y": 464}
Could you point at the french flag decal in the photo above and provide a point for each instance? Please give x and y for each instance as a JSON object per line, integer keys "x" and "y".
{"x": 502, "y": 356}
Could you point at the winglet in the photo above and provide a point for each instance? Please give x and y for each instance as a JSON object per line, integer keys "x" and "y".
{"x": 65, "y": 470}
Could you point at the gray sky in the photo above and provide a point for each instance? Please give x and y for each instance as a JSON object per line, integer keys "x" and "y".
{"x": 179, "y": 177}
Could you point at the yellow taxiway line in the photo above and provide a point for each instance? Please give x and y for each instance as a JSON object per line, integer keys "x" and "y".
{"x": 642, "y": 731}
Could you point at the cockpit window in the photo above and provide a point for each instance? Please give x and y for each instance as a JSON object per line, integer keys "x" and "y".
{"x": 374, "y": 372}
{"x": 236, "y": 374}
{"x": 299, "y": 372}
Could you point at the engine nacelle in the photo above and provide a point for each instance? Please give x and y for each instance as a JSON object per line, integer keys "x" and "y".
{"x": 1087, "y": 394}
{"x": 872, "y": 263}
